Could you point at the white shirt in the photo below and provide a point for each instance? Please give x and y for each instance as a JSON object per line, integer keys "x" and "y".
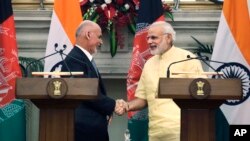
{"x": 90, "y": 57}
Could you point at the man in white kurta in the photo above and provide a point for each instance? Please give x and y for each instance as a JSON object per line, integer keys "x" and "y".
{"x": 164, "y": 114}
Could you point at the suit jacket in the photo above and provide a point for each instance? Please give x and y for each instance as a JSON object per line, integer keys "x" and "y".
{"x": 91, "y": 116}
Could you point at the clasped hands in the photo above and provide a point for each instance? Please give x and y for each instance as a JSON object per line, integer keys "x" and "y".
{"x": 121, "y": 107}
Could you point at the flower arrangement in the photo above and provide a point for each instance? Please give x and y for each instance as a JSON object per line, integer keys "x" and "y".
{"x": 112, "y": 15}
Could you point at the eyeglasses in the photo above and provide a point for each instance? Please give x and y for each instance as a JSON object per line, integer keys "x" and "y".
{"x": 153, "y": 37}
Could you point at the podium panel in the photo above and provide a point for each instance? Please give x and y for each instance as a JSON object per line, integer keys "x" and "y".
{"x": 57, "y": 99}
{"x": 198, "y": 114}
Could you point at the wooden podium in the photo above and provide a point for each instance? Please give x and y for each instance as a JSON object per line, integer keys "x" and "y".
{"x": 56, "y": 98}
{"x": 198, "y": 111}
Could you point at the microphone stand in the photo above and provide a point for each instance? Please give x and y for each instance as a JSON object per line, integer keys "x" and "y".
{"x": 56, "y": 52}
{"x": 213, "y": 61}
{"x": 61, "y": 54}
{"x": 168, "y": 70}
{"x": 205, "y": 61}
{"x": 199, "y": 58}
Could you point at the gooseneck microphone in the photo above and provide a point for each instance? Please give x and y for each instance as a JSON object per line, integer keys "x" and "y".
{"x": 80, "y": 61}
{"x": 203, "y": 58}
{"x": 168, "y": 70}
{"x": 205, "y": 62}
{"x": 61, "y": 55}
{"x": 56, "y": 52}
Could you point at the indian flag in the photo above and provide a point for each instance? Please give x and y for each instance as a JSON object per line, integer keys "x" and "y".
{"x": 65, "y": 19}
{"x": 232, "y": 45}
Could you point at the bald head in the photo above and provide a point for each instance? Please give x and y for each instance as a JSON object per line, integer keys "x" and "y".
{"x": 86, "y": 25}
{"x": 89, "y": 36}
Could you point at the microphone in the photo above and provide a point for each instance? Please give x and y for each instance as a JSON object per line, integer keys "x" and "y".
{"x": 188, "y": 58}
{"x": 205, "y": 60}
{"x": 26, "y": 71}
{"x": 57, "y": 51}
{"x": 61, "y": 54}
{"x": 80, "y": 61}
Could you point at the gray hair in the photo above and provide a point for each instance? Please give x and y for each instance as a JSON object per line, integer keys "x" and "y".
{"x": 168, "y": 29}
{"x": 83, "y": 25}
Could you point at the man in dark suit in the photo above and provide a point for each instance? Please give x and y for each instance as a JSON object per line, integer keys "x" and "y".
{"x": 92, "y": 116}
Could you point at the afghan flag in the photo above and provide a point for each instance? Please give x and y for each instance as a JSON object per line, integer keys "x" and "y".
{"x": 149, "y": 12}
{"x": 12, "y": 112}
{"x": 65, "y": 19}
{"x": 232, "y": 45}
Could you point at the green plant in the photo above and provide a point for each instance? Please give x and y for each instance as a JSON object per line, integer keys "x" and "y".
{"x": 202, "y": 48}
{"x": 29, "y": 64}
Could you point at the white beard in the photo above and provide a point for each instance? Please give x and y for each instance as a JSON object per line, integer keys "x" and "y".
{"x": 159, "y": 49}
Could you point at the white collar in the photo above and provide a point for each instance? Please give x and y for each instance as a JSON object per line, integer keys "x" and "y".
{"x": 90, "y": 57}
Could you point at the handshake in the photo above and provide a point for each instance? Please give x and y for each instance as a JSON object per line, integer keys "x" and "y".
{"x": 121, "y": 107}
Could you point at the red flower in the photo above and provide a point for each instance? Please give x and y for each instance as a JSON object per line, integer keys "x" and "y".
{"x": 119, "y": 2}
{"x": 109, "y": 11}
{"x": 113, "y": 15}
